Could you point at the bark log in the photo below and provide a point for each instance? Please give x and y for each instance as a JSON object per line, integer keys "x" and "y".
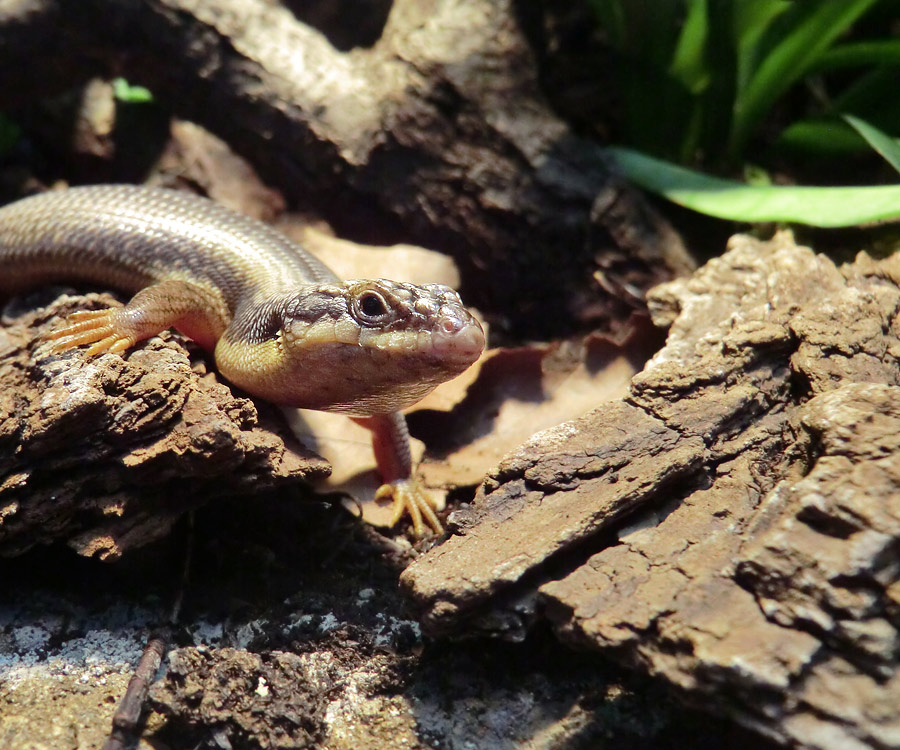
{"x": 106, "y": 454}
{"x": 733, "y": 526}
{"x": 438, "y": 133}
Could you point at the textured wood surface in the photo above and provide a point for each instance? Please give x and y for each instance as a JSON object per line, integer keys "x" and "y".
{"x": 107, "y": 453}
{"x": 733, "y": 525}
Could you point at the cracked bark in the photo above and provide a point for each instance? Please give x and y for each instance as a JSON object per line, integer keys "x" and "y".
{"x": 733, "y": 526}
{"x": 438, "y": 133}
{"x": 107, "y": 454}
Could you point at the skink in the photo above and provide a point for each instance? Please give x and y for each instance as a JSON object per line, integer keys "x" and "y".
{"x": 280, "y": 323}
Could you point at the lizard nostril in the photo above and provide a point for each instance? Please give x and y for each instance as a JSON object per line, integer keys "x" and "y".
{"x": 451, "y": 325}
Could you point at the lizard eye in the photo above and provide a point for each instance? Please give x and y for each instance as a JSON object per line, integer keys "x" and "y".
{"x": 372, "y": 305}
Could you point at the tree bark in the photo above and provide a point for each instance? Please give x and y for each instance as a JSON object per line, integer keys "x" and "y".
{"x": 106, "y": 455}
{"x": 733, "y": 525}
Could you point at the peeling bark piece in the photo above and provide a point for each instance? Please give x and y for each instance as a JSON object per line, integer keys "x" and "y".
{"x": 823, "y": 553}
{"x": 107, "y": 453}
{"x": 560, "y": 488}
{"x": 780, "y": 610}
{"x": 766, "y": 586}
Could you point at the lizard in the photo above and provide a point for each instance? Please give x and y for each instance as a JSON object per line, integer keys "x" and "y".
{"x": 279, "y": 322}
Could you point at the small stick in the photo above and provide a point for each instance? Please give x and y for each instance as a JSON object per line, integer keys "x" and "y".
{"x": 128, "y": 714}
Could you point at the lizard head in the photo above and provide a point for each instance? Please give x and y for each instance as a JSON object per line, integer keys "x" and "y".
{"x": 360, "y": 347}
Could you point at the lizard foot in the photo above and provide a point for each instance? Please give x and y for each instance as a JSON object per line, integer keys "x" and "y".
{"x": 409, "y": 497}
{"x": 96, "y": 327}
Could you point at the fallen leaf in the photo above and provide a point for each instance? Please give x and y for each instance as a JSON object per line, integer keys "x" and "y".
{"x": 195, "y": 156}
{"x": 515, "y": 393}
{"x": 350, "y": 260}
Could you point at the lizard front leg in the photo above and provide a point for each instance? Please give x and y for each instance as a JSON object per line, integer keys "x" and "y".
{"x": 190, "y": 308}
{"x": 390, "y": 441}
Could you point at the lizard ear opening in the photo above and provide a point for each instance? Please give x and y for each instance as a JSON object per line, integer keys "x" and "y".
{"x": 267, "y": 324}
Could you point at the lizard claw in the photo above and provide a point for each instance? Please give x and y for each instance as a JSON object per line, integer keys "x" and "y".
{"x": 409, "y": 497}
{"x": 96, "y": 327}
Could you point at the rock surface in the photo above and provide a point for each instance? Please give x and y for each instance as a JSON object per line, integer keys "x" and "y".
{"x": 733, "y": 525}
{"x": 265, "y": 699}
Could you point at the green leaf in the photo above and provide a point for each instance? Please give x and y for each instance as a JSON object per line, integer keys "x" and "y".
{"x": 726, "y": 199}
{"x": 888, "y": 147}
{"x": 873, "y": 94}
{"x": 815, "y": 28}
{"x": 751, "y": 19}
{"x": 688, "y": 63}
{"x": 856, "y": 54}
{"x": 828, "y": 137}
{"x": 125, "y": 92}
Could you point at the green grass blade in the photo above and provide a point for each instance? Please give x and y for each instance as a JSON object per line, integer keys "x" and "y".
{"x": 725, "y": 199}
{"x": 858, "y": 54}
{"x": 688, "y": 62}
{"x": 820, "y": 137}
{"x": 811, "y": 35}
{"x": 872, "y": 95}
{"x": 888, "y": 147}
{"x": 750, "y": 20}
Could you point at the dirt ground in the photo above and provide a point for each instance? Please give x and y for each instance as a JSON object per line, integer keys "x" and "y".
{"x": 301, "y": 593}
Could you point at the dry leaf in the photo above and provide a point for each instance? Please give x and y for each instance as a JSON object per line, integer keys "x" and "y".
{"x": 194, "y": 155}
{"x": 518, "y": 392}
{"x": 350, "y": 260}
